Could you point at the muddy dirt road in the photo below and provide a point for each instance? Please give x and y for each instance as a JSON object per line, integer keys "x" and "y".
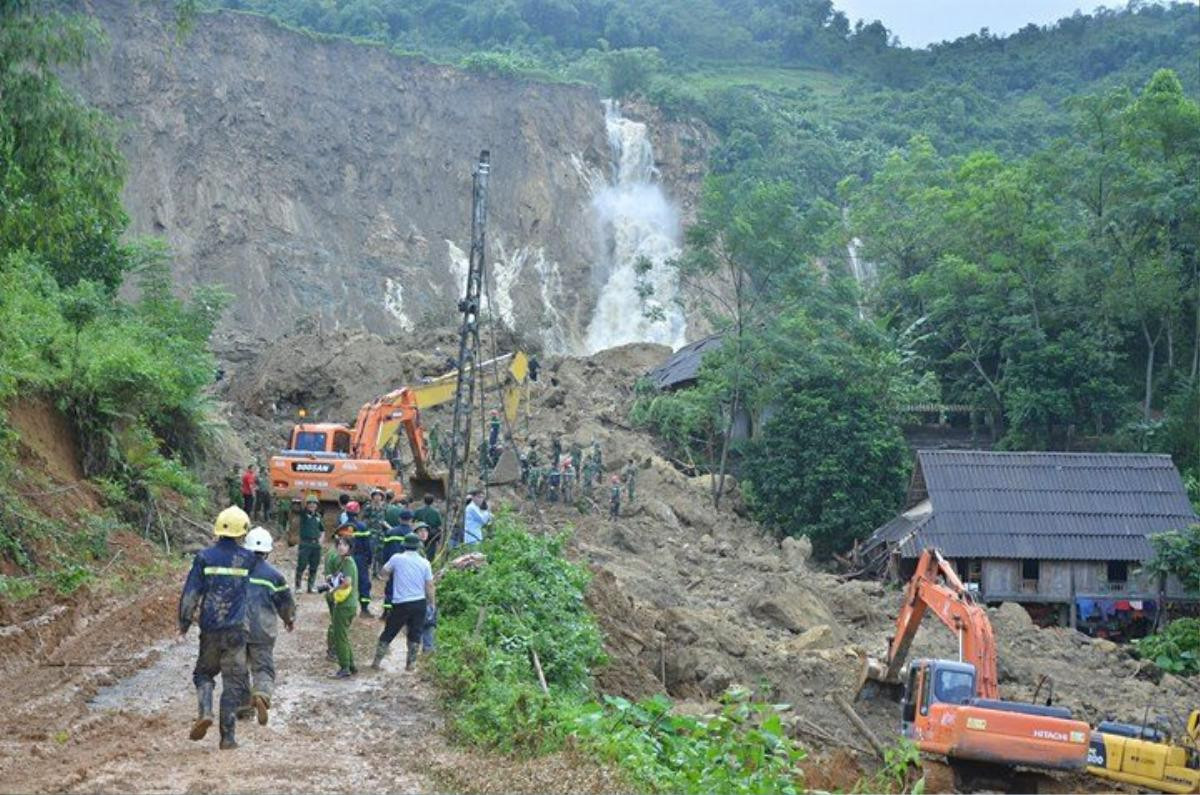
{"x": 109, "y": 710}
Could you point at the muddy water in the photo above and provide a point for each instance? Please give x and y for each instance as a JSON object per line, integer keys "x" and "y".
{"x": 324, "y": 735}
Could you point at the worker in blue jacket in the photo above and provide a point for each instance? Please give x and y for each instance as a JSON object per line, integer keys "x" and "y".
{"x": 393, "y": 544}
{"x": 268, "y": 600}
{"x": 216, "y": 589}
{"x": 362, "y": 556}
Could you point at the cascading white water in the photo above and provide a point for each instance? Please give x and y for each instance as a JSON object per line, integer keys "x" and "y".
{"x": 636, "y": 222}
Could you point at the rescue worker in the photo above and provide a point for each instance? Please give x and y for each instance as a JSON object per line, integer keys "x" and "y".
{"x": 597, "y": 461}
{"x": 412, "y": 590}
{"x": 577, "y": 460}
{"x": 630, "y": 473}
{"x": 475, "y": 518}
{"x": 249, "y": 487}
{"x": 535, "y": 483}
{"x": 343, "y": 500}
{"x": 233, "y": 485}
{"x": 216, "y": 587}
{"x": 341, "y": 586}
{"x": 309, "y": 551}
{"x": 393, "y": 544}
{"x": 268, "y": 600}
{"x": 433, "y": 518}
{"x": 494, "y": 436}
{"x": 567, "y": 478}
{"x": 614, "y": 498}
{"x": 333, "y": 562}
{"x": 555, "y": 452}
{"x": 262, "y": 497}
{"x": 283, "y": 515}
{"x": 374, "y": 517}
{"x": 362, "y": 557}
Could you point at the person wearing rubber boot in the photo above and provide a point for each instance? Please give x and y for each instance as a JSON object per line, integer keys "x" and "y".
{"x": 333, "y": 562}
{"x": 341, "y": 586}
{"x": 412, "y": 589}
{"x": 362, "y": 556}
{"x": 308, "y": 554}
{"x": 393, "y": 543}
{"x": 268, "y": 600}
{"x": 216, "y": 589}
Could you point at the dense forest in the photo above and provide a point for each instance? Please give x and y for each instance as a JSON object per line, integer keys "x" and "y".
{"x": 1027, "y": 206}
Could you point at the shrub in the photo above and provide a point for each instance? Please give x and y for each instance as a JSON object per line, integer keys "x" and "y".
{"x": 1176, "y": 649}
{"x": 531, "y": 600}
{"x": 743, "y": 748}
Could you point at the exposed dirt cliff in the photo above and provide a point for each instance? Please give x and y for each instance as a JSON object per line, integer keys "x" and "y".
{"x": 328, "y": 180}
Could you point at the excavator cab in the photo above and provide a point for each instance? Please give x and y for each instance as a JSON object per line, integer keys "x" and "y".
{"x": 934, "y": 682}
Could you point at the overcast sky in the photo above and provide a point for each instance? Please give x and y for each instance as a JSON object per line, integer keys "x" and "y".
{"x": 920, "y": 22}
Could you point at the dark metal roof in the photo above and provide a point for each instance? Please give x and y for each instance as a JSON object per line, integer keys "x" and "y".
{"x": 684, "y": 364}
{"x": 1065, "y": 506}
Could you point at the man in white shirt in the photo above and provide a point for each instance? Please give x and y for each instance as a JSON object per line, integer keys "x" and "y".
{"x": 412, "y": 589}
{"x": 476, "y": 516}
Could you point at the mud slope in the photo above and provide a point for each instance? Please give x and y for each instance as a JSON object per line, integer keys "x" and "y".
{"x": 693, "y": 599}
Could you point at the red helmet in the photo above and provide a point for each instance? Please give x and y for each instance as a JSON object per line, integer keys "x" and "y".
{"x": 352, "y": 507}
{"x": 616, "y": 478}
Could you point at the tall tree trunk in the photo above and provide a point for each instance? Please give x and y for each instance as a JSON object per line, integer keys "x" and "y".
{"x": 733, "y": 413}
{"x": 1151, "y": 344}
{"x": 1170, "y": 347}
{"x": 1196, "y": 337}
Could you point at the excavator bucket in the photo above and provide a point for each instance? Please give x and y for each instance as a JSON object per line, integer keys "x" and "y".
{"x": 418, "y": 487}
{"x": 873, "y": 683}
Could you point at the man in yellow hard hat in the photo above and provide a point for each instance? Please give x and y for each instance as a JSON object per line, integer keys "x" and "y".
{"x": 216, "y": 589}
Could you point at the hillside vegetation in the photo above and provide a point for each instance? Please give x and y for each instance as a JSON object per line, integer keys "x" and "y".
{"x": 127, "y": 375}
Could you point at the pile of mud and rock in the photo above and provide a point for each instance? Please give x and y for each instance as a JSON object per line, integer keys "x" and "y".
{"x": 693, "y": 599}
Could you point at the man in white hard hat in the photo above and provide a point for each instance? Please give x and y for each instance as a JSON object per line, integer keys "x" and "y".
{"x": 268, "y": 599}
{"x": 216, "y": 589}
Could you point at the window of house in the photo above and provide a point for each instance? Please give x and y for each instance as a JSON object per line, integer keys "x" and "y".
{"x": 1118, "y": 573}
{"x": 1029, "y": 569}
{"x": 974, "y": 571}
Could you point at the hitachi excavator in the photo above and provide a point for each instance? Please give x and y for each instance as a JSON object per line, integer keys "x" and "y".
{"x": 327, "y": 459}
{"x": 952, "y": 708}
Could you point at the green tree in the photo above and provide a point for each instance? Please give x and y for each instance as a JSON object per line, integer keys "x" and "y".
{"x": 60, "y": 168}
{"x": 829, "y": 461}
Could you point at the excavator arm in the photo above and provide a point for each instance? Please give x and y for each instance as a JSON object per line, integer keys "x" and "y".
{"x": 380, "y": 420}
{"x": 936, "y": 587}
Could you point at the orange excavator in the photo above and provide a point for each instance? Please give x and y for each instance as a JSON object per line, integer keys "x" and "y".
{"x": 328, "y": 459}
{"x": 952, "y": 709}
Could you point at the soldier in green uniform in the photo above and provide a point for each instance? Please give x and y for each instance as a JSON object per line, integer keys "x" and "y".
{"x": 283, "y": 514}
{"x": 629, "y": 472}
{"x": 433, "y": 521}
{"x": 309, "y": 553}
{"x": 597, "y": 460}
{"x": 342, "y": 586}
{"x": 577, "y": 460}
{"x": 374, "y": 516}
{"x": 233, "y": 485}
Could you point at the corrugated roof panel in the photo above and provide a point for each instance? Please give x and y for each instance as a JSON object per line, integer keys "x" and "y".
{"x": 1080, "y": 506}
{"x": 684, "y": 364}
{"x": 1014, "y": 546}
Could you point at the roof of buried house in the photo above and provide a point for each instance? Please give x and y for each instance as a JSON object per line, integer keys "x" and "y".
{"x": 1064, "y": 506}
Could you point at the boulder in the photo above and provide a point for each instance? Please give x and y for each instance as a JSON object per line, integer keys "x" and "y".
{"x": 794, "y": 609}
{"x": 796, "y": 551}
{"x": 818, "y": 637}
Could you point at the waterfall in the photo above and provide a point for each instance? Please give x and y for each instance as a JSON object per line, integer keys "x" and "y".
{"x": 636, "y": 223}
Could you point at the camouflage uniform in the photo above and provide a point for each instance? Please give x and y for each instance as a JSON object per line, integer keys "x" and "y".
{"x": 374, "y": 516}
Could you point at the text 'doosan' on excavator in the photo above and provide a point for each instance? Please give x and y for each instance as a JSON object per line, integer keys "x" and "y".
{"x": 327, "y": 459}
{"x": 952, "y": 708}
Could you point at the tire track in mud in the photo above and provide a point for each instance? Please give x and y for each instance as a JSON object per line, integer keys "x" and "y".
{"x": 99, "y": 727}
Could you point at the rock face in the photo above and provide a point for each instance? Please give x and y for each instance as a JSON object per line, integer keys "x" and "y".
{"x": 323, "y": 180}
